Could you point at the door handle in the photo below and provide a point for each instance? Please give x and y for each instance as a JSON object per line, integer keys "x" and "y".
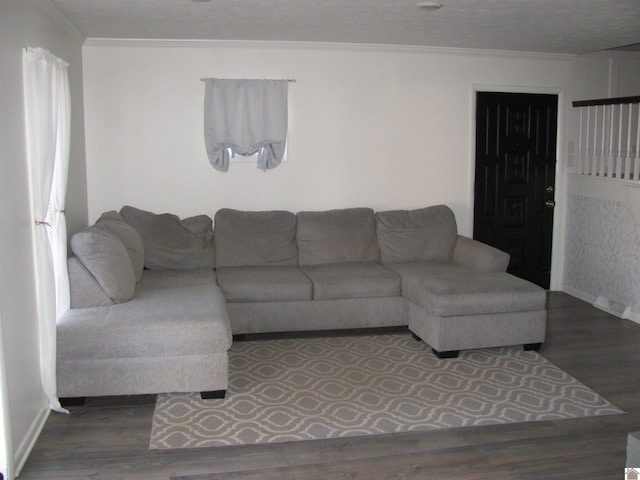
{"x": 550, "y": 204}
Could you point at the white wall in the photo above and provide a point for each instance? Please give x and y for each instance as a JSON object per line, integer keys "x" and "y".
{"x": 627, "y": 75}
{"x": 374, "y": 126}
{"x": 26, "y": 23}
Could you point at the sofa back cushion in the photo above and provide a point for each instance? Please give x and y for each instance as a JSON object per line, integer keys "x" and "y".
{"x": 113, "y": 223}
{"x": 244, "y": 239}
{"x": 106, "y": 258}
{"x": 337, "y": 236}
{"x": 171, "y": 242}
{"x": 423, "y": 235}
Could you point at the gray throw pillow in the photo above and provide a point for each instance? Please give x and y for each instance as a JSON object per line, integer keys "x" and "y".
{"x": 255, "y": 238}
{"x": 106, "y": 258}
{"x": 423, "y": 235}
{"x": 113, "y": 223}
{"x": 171, "y": 242}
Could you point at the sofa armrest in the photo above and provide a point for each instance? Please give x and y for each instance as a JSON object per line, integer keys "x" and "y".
{"x": 479, "y": 256}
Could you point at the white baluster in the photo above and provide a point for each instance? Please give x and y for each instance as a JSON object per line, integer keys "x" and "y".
{"x": 581, "y": 153}
{"x": 626, "y": 155}
{"x": 594, "y": 161}
{"x": 616, "y": 164}
{"x": 602, "y": 170}
{"x": 629, "y": 159}
{"x": 636, "y": 163}
{"x": 609, "y": 140}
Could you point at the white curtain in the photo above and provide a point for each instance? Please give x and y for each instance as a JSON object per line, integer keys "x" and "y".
{"x": 6, "y": 442}
{"x": 47, "y": 112}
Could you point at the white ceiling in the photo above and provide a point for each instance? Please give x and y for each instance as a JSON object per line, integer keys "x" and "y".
{"x": 553, "y": 26}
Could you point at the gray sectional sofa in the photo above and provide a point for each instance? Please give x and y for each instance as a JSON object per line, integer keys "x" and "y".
{"x": 275, "y": 271}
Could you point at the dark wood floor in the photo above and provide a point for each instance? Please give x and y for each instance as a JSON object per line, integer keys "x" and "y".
{"x": 108, "y": 438}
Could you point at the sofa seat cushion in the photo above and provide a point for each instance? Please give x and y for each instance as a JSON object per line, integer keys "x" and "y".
{"x": 154, "y": 323}
{"x": 263, "y": 284}
{"x": 448, "y": 289}
{"x": 255, "y": 238}
{"x": 337, "y": 236}
{"x": 352, "y": 280}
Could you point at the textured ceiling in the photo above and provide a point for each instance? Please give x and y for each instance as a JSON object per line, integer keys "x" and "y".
{"x": 553, "y": 26}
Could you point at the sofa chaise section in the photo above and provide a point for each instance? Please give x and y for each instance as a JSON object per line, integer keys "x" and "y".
{"x": 453, "y": 307}
{"x": 459, "y": 294}
{"x": 172, "y": 339}
{"x": 136, "y": 330}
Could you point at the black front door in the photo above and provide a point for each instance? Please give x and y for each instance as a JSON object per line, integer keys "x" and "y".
{"x": 515, "y": 179}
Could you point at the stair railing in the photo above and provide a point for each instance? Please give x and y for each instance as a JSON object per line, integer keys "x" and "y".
{"x": 609, "y": 138}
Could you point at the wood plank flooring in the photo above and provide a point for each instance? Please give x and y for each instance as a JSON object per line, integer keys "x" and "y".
{"x": 107, "y": 439}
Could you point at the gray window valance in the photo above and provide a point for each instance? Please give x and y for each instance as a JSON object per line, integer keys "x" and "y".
{"x": 245, "y": 117}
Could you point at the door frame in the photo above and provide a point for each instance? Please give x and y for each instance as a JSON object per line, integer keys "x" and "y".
{"x": 559, "y": 216}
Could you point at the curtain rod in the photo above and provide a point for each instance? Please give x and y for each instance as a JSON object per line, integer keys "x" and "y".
{"x": 210, "y": 78}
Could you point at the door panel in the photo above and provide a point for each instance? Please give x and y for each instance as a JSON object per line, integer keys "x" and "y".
{"x": 515, "y": 179}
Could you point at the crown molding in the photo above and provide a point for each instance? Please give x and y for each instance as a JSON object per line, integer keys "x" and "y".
{"x": 203, "y": 43}
{"x": 62, "y": 20}
{"x": 615, "y": 54}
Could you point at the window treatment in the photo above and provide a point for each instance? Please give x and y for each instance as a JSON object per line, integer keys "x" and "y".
{"x": 47, "y": 114}
{"x": 245, "y": 117}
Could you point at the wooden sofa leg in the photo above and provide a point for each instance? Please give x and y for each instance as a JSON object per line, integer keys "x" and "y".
{"x": 72, "y": 401}
{"x": 532, "y": 346}
{"x": 447, "y": 354}
{"x": 213, "y": 394}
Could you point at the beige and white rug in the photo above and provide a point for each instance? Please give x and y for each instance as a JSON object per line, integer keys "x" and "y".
{"x": 314, "y": 388}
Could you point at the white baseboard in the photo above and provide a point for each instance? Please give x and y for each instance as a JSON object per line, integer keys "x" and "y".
{"x": 578, "y": 294}
{"x": 602, "y": 303}
{"x": 633, "y": 316}
{"x": 21, "y": 453}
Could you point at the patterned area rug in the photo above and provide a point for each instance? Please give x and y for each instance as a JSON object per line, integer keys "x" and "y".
{"x": 314, "y": 388}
